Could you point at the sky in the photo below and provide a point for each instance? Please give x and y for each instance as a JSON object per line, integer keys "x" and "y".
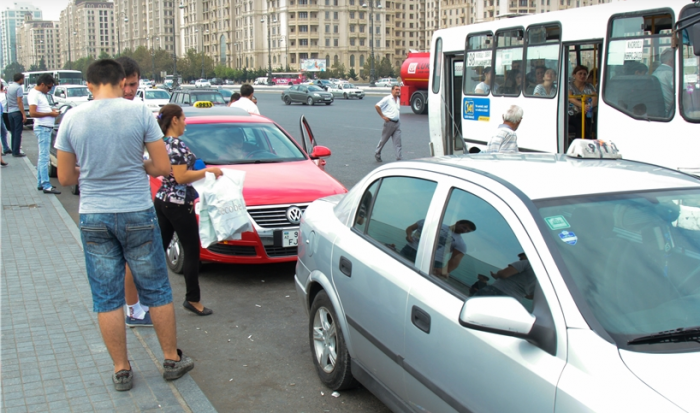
{"x": 51, "y": 8}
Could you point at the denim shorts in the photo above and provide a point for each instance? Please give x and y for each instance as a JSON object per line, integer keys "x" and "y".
{"x": 112, "y": 240}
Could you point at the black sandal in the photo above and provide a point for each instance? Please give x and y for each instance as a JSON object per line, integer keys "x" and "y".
{"x": 190, "y": 307}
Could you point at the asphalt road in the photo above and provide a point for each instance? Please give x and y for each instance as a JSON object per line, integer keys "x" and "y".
{"x": 252, "y": 354}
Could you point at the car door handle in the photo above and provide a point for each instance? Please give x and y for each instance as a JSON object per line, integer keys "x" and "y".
{"x": 346, "y": 266}
{"x": 420, "y": 319}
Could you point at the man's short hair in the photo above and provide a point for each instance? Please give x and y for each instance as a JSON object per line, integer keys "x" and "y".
{"x": 513, "y": 114}
{"x": 247, "y": 90}
{"x": 105, "y": 72}
{"x": 17, "y": 77}
{"x": 45, "y": 79}
{"x": 393, "y": 86}
{"x": 469, "y": 224}
{"x": 130, "y": 66}
{"x": 666, "y": 55}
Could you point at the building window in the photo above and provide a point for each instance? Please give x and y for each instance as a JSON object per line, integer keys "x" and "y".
{"x": 303, "y": 42}
{"x": 335, "y": 42}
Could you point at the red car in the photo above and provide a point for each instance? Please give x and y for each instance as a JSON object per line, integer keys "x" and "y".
{"x": 282, "y": 179}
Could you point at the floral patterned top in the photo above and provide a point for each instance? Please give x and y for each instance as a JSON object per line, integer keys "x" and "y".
{"x": 170, "y": 190}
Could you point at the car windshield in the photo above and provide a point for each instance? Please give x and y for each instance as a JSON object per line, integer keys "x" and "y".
{"x": 234, "y": 143}
{"x": 75, "y": 92}
{"x": 634, "y": 258}
{"x": 214, "y": 97}
{"x": 226, "y": 92}
{"x": 348, "y": 86}
{"x": 157, "y": 94}
{"x": 315, "y": 89}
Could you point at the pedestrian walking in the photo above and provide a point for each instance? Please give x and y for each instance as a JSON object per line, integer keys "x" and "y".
{"x": 15, "y": 113}
{"x": 118, "y": 223}
{"x": 44, "y": 118}
{"x": 389, "y": 109}
{"x": 246, "y": 100}
{"x": 4, "y": 122}
{"x": 505, "y": 140}
{"x": 174, "y": 202}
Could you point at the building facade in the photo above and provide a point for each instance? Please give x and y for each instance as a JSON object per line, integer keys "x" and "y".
{"x": 12, "y": 17}
{"x": 87, "y": 28}
{"x": 37, "y": 40}
{"x": 151, "y": 24}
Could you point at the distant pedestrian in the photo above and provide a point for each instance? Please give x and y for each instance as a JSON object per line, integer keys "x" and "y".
{"x": 246, "y": 100}
{"x": 389, "y": 109}
{"x": 44, "y": 118}
{"x": 117, "y": 219}
{"x": 505, "y": 140}
{"x": 15, "y": 113}
{"x": 234, "y": 98}
{"x": 4, "y": 122}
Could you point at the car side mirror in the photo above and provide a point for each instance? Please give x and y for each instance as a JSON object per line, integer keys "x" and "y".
{"x": 499, "y": 315}
{"x": 320, "y": 152}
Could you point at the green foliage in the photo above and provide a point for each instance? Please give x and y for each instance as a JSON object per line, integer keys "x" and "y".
{"x": 104, "y": 55}
{"x": 11, "y": 69}
{"x": 351, "y": 74}
{"x": 39, "y": 66}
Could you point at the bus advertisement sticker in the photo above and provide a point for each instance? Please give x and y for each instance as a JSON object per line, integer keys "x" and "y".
{"x": 568, "y": 237}
{"x": 478, "y": 109}
{"x": 557, "y": 222}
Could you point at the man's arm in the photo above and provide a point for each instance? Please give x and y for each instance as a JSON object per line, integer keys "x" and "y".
{"x": 68, "y": 173}
{"x": 409, "y": 232}
{"x": 381, "y": 115}
{"x": 159, "y": 162}
{"x": 509, "y": 271}
{"x": 454, "y": 261}
{"x": 33, "y": 113}
{"x": 21, "y": 107}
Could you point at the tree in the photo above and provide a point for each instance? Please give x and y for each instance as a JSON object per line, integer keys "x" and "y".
{"x": 351, "y": 74}
{"x": 104, "y": 55}
{"x": 39, "y": 66}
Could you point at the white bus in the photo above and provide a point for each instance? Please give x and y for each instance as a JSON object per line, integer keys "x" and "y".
{"x": 63, "y": 77}
{"x": 650, "y": 109}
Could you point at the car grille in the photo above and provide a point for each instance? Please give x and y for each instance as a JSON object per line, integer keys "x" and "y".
{"x": 280, "y": 251}
{"x": 273, "y": 217}
{"x": 225, "y": 249}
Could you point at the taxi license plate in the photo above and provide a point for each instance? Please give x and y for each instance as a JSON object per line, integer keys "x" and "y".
{"x": 290, "y": 238}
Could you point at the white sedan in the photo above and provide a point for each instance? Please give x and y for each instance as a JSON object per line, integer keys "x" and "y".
{"x": 153, "y": 98}
{"x": 202, "y": 83}
{"x": 346, "y": 91}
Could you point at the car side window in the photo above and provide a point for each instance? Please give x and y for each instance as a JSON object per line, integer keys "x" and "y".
{"x": 185, "y": 99}
{"x": 399, "y": 204}
{"x": 477, "y": 252}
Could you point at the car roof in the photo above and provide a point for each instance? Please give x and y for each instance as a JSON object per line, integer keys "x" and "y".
{"x": 221, "y": 113}
{"x": 542, "y": 176}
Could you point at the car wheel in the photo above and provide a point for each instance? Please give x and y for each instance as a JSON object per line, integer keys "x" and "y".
{"x": 175, "y": 255}
{"x": 418, "y": 104}
{"x": 310, "y": 101}
{"x": 75, "y": 189}
{"x": 345, "y": 95}
{"x": 328, "y": 349}
{"x": 361, "y": 97}
{"x": 53, "y": 172}
{"x": 328, "y": 103}
{"x": 287, "y": 100}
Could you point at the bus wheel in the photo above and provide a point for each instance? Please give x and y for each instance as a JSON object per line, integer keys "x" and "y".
{"x": 418, "y": 104}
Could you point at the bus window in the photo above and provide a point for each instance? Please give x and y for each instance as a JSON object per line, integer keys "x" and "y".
{"x": 690, "y": 93}
{"x": 507, "y": 77}
{"x": 541, "y": 53}
{"x": 639, "y": 66}
{"x": 477, "y": 71}
{"x": 436, "y": 65}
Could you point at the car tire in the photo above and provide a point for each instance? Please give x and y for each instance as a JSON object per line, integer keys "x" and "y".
{"x": 361, "y": 97}
{"x": 345, "y": 96}
{"x": 53, "y": 171}
{"x": 75, "y": 189}
{"x": 326, "y": 339}
{"x": 310, "y": 101}
{"x": 175, "y": 255}
{"x": 328, "y": 103}
{"x": 418, "y": 104}
{"x": 287, "y": 100}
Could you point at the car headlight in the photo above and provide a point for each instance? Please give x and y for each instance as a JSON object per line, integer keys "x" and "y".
{"x": 317, "y": 95}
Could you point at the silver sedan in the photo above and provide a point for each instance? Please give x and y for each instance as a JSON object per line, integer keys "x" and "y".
{"x": 307, "y": 95}
{"x": 346, "y": 91}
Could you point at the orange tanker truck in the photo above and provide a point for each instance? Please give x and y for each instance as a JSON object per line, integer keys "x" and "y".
{"x": 415, "y": 72}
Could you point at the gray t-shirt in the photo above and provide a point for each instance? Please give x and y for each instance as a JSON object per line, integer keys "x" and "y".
{"x": 520, "y": 284}
{"x": 14, "y": 91}
{"x": 107, "y": 137}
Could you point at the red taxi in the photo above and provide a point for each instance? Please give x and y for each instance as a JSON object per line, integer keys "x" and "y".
{"x": 282, "y": 179}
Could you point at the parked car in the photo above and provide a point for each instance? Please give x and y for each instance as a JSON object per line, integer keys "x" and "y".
{"x": 202, "y": 83}
{"x": 307, "y": 95}
{"x": 216, "y": 81}
{"x": 71, "y": 94}
{"x": 153, "y": 98}
{"x": 260, "y": 81}
{"x": 226, "y": 93}
{"x": 192, "y": 82}
{"x": 53, "y": 161}
{"x": 322, "y": 83}
{"x": 228, "y": 82}
{"x": 572, "y": 283}
{"x": 187, "y": 97}
{"x": 30, "y": 121}
{"x": 386, "y": 82}
{"x": 145, "y": 83}
{"x": 282, "y": 178}
{"x": 346, "y": 91}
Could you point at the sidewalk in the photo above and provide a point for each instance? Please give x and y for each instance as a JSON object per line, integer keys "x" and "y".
{"x": 53, "y": 357}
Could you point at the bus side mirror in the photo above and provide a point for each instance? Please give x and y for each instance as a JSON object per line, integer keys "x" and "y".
{"x": 694, "y": 34}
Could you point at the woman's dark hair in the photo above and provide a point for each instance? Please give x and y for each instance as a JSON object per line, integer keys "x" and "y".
{"x": 579, "y": 68}
{"x": 166, "y": 115}
{"x": 234, "y": 97}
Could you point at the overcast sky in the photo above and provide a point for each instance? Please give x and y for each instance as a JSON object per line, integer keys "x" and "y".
{"x": 51, "y": 8}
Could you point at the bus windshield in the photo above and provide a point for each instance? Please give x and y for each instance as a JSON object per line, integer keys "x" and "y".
{"x": 70, "y": 78}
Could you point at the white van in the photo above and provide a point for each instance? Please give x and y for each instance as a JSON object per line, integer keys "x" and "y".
{"x": 260, "y": 81}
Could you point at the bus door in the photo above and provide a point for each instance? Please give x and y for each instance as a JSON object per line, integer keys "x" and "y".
{"x": 582, "y": 62}
{"x": 453, "y": 102}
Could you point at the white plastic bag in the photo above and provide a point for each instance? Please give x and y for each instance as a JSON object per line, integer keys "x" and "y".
{"x": 222, "y": 210}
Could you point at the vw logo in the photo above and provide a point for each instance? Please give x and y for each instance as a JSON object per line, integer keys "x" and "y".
{"x": 294, "y": 214}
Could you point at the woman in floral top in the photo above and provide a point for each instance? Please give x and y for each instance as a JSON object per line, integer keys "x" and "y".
{"x": 579, "y": 86}
{"x": 174, "y": 202}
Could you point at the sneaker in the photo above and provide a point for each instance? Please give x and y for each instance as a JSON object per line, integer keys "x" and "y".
{"x": 52, "y": 190}
{"x": 135, "y": 322}
{"x": 378, "y": 157}
{"x": 175, "y": 369}
{"x": 123, "y": 380}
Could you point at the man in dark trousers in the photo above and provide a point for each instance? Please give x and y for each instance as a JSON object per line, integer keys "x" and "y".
{"x": 389, "y": 109}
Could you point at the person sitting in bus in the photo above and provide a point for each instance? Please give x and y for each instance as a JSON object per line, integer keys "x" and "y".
{"x": 579, "y": 86}
{"x": 484, "y": 87}
{"x": 593, "y": 77}
{"x": 547, "y": 88}
{"x": 513, "y": 83}
{"x": 665, "y": 75}
{"x": 535, "y": 78}
{"x": 505, "y": 140}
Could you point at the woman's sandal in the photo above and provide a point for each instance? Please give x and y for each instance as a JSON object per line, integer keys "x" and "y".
{"x": 190, "y": 307}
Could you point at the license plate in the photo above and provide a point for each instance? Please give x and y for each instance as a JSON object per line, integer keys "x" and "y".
{"x": 326, "y": 98}
{"x": 290, "y": 238}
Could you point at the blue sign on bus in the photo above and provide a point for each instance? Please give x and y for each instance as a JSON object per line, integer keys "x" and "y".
{"x": 476, "y": 109}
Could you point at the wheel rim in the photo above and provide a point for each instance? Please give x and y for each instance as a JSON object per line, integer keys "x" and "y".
{"x": 325, "y": 340}
{"x": 174, "y": 251}
{"x": 310, "y": 101}
{"x": 345, "y": 96}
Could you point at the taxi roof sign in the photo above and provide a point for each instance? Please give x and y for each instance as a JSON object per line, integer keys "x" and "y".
{"x": 593, "y": 149}
{"x": 203, "y": 104}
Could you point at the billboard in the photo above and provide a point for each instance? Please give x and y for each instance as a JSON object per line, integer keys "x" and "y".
{"x": 313, "y": 65}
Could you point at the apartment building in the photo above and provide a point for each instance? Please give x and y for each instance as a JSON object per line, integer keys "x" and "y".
{"x": 36, "y": 40}
{"x": 87, "y": 28}
{"x": 151, "y": 24}
{"x": 11, "y": 17}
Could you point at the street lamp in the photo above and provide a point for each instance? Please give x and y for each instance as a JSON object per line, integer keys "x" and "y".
{"x": 175, "y": 34}
{"x": 119, "y": 43}
{"x": 269, "y": 48}
{"x": 153, "y": 53}
{"x": 371, "y": 28}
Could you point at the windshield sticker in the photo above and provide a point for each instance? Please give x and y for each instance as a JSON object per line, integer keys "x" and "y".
{"x": 568, "y": 237}
{"x": 557, "y": 222}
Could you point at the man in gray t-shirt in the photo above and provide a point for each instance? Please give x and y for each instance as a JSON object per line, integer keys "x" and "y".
{"x": 15, "y": 113}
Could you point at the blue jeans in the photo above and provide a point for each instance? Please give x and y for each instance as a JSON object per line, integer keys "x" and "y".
{"x": 3, "y": 136}
{"x": 43, "y": 138}
{"x": 16, "y": 126}
{"x": 110, "y": 241}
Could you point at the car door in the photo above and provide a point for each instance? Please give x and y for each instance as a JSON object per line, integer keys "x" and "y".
{"x": 299, "y": 95}
{"x": 60, "y": 94}
{"x": 450, "y": 367}
{"x": 372, "y": 274}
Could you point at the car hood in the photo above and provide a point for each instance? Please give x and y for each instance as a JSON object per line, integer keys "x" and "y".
{"x": 674, "y": 376}
{"x": 286, "y": 183}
